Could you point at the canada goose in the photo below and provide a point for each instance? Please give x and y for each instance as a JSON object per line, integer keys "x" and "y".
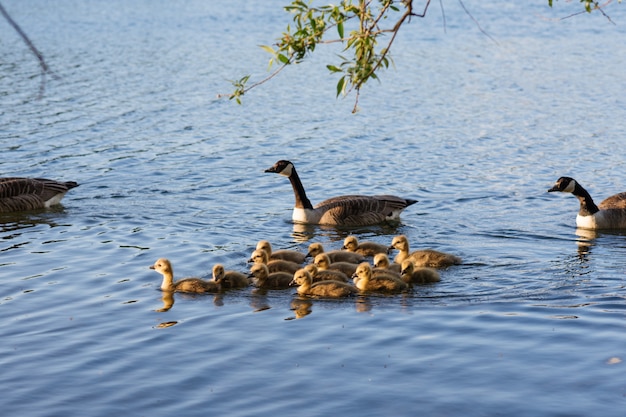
{"x": 609, "y": 214}
{"x": 364, "y": 248}
{"x": 322, "y": 262}
{"x": 424, "y": 257}
{"x": 347, "y": 210}
{"x": 335, "y": 255}
{"x": 381, "y": 261}
{"x": 229, "y": 279}
{"x": 366, "y": 281}
{"x": 259, "y": 256}
{"x": 422, "y": 275}
{"x": 322, "y": 288}
{"x": 285, "y": 254}
{"x": 274, "y": 280}
{"x": 21, "y": 194}
{"x": 325, "y": 274}
{"x": 197, "y": 285}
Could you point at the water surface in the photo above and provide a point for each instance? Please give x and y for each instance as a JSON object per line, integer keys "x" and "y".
{"x": 532, "y": 324}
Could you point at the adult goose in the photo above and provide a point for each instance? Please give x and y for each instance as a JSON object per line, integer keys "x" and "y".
{"x": 195, "y": 285}
{"x": 21, "y": 194}
{"x": 609, "y": 214}
{"x": 346, "y": 210}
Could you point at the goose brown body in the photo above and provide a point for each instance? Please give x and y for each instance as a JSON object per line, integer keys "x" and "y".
{"x": 347, "y": 210}
{"x": 22, "y": 194}
{"x": 193, "y": 285}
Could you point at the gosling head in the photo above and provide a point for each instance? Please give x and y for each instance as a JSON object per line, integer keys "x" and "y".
{"x": 407, "y": 267}
{"x": 322, "y": 261}
{"x": 564, "y": 185}
{"x": 350, "y": 243}
{"x": 162, "y": 266}
{"x": 264, "y": 245}
{"x": 399, "y": 242}
{"x": 381, "y": 260}
{"x": 259, "y": 271}
{"x": 259, "y": 256}
{"x": 364, "y": 270}
{"x": 281, "y": 167}
{"x": 218, "y": 272}
{"x": 315, "y": 249}
{"x": 301, "y": 277}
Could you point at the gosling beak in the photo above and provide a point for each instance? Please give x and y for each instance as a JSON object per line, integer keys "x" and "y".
{"x": 151, "y": 267}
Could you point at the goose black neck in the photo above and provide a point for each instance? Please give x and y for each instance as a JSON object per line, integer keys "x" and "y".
{"x": 587, "y": 206}
{"x": 298, "y": 189}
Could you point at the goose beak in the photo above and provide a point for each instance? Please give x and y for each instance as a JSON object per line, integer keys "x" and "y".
{"x": 271, "y": 169}
{"x": 151, "y": 267}
{"x": 553, "y": 189}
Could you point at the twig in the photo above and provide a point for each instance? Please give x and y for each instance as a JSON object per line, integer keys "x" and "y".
{"x": 42, "y": 62}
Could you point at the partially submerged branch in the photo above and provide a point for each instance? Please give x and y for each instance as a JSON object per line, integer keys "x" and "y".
{"x": 42, "y": 62}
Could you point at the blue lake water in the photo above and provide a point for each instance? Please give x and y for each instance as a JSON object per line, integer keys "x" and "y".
{"x": 477, "y": 129}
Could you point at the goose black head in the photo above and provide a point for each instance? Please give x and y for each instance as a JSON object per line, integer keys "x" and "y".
{"x": 281, "y": 167}
{"x": 564, "y": 185}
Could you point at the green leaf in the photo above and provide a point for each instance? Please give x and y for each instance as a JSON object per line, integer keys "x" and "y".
{"x": 340, "y": 29}
{"x": 268, "y": 49}
{"x": 282, "y": 58}
{"x": 340, "y": 85}
{"x": 333, "y": 68}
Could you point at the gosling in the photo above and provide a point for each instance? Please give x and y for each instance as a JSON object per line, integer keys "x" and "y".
{"x": 263, "y": 278}
{"x": 325, "y": 274}
{"x": 425, "y": 257}
{"x": 422, "y": 275}
{"x": 229, "y": 279}
{"x": 332, "y": 289}
{"x": 286, "y": 254}
{"x": 322, "y": 262}
{"x": 364, "y": 248}
{"x": 191, "y": 285}
{"x": 335, "y": 255}
{"x": 366, "y": 282}
{"x": 259, "y": 256}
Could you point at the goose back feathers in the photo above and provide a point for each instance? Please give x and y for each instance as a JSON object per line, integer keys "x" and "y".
{"x": 346, "y": 210}
{"x": 609, "y": 214}
{"x": 21, "y": 194}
